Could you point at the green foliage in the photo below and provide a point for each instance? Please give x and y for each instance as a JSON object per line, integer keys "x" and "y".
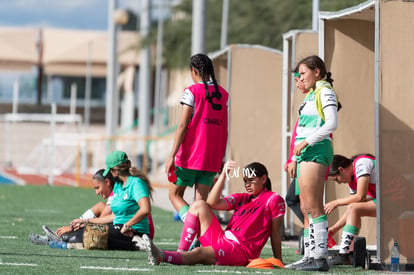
{"x": 250, "y": 22}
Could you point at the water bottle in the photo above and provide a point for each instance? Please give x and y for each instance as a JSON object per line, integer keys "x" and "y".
{"x": 395, "y": 258}
{"x": 58, "y": 244}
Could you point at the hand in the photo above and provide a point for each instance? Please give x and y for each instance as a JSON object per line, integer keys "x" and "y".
{"x": 230, "y": 164}
{"x": 77, "y": 224}
{"x": 332, "y": 231}
{"x": 291, "y": 169}
{"x": 126, "y": 230}
{"x": 63, "y": 230}
{"x": 298, "y": 148}
{"x": 329, "y": 207}
{"x": 168, "y": 164}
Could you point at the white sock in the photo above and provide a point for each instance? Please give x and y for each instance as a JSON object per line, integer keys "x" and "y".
{"x": 320, "y": 225}
{"x": 306, "y": 246}
{"x": 88, "y": 214}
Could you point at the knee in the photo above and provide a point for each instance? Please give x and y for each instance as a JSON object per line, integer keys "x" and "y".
{"x": 353, "y": 209}
{"x": 196, "y": 206}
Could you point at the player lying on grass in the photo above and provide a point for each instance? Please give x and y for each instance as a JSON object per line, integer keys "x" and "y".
{"x": 258, "y": 214}
{"x": 359, "y": 173}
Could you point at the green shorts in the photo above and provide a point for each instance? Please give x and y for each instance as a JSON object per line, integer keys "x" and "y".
{"x": 321, "y": 152}
{"x": 375, "y": 201}
{"x": 187, "y": 177}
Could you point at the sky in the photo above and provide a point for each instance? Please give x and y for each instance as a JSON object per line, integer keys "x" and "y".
{"x": 72, "y": 14}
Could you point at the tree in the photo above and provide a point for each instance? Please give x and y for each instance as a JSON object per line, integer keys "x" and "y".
{"x": 250, "y": 22}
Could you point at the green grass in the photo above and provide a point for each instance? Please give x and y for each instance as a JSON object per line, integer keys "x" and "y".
{"x": 24, "y": 209}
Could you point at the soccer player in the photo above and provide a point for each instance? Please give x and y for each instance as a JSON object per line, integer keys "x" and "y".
{"x": 201, "y": 137}
{"x": 360, "y": 174}
{"x": 258, "y": 214}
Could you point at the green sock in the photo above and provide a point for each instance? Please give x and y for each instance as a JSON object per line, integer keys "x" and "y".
{"x": 183, "y": 212}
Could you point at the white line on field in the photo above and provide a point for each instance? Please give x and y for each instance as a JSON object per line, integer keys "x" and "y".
{"x": 8, "y": 237}
{"x": 19, "y": 264}
{"x": 115, "y": 268}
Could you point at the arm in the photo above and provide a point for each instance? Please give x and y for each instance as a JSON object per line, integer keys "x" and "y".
{"x": 144, "y": 211}
{"x": 292, "y": 147}
{"x": 276, "y": 238}
{"x": 360, "y": 196}
{"x": 179, "y": 135}
{"x": 330, "y": 125}
{"x": 330, "y": 111}
{"x": 79, "y": 223}
{"x": 213, "y": 198}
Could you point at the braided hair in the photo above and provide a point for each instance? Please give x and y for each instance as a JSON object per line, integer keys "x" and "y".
{"x": 202, "y": 63}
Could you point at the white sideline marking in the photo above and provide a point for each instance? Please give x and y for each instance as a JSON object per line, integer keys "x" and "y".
{"x": 233, "y": 271}
{"x": 116, "y": 268}
{"x": 8, "y": 237}
{"x": 18, "y": 264}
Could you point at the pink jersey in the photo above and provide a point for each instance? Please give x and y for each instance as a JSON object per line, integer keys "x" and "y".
{"x": 251, "y": 221}
{"x": 205, "y": 142}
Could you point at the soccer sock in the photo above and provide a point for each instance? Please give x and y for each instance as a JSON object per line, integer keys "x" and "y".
{"x": 306, "y": 243}
{"x": 88, "y": 214}
{"x": 183, "y": 212}
{"x": 191, "y": 229}
{"x": 173, "y": 257}
{"x": 348, "y": 236}
{"x": 311, "y": 238}
{"x": 320, "y": 225}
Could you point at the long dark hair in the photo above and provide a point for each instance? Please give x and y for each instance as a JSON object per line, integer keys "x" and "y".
{"x": 125, "y": 169}
{"x": 99, "y": 177}
{"x": 260, "y": 170}
{"x": 344, "y": 162}
{"x": 203, "y": 64}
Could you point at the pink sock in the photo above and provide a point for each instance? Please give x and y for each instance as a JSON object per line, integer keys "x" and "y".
{"x": 191, "y": 228}
{"x": 173, "y": 257}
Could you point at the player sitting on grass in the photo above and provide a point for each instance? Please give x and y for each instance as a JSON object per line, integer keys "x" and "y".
{"x": 103, "y": 187}
{"x": 258, "y": 214}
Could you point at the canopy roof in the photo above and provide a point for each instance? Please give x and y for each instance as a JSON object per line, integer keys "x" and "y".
{"x": 65, "y": 51}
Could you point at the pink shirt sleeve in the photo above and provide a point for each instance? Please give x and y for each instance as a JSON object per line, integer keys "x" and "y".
{"x": 277, "y": 206}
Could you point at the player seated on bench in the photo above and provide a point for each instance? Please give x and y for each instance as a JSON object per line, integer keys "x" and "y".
{"x": 360, "y": 174}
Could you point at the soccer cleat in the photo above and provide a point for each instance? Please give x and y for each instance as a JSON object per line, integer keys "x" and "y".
{"x": 139, "y": 243}
{"x": 50, "y": 234}
{"x": 297, "y": 263}
{"x": 314, "y": 265}
{"x": 37, "y": 239}
{"x": 154, "y": 257}
{"x": 341, "y": 259}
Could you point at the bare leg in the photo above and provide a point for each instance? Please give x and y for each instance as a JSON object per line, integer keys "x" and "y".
{"x": 98, "y": 208}
{"x": 311, "y": 184}
{"x": 358, "y": 210}
{"x": 176, "y": 196}
{"x": 201, "y": 191}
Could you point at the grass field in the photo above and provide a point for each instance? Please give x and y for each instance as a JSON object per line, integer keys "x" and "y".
{"x": 24, "y": 209}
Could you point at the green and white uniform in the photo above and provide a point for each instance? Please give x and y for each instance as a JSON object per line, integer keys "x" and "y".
{"x": 311, "y": 126}
{"x": 125, "y": 202}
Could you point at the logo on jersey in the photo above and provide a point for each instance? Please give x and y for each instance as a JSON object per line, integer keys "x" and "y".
{"x": 221, "y": 252}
